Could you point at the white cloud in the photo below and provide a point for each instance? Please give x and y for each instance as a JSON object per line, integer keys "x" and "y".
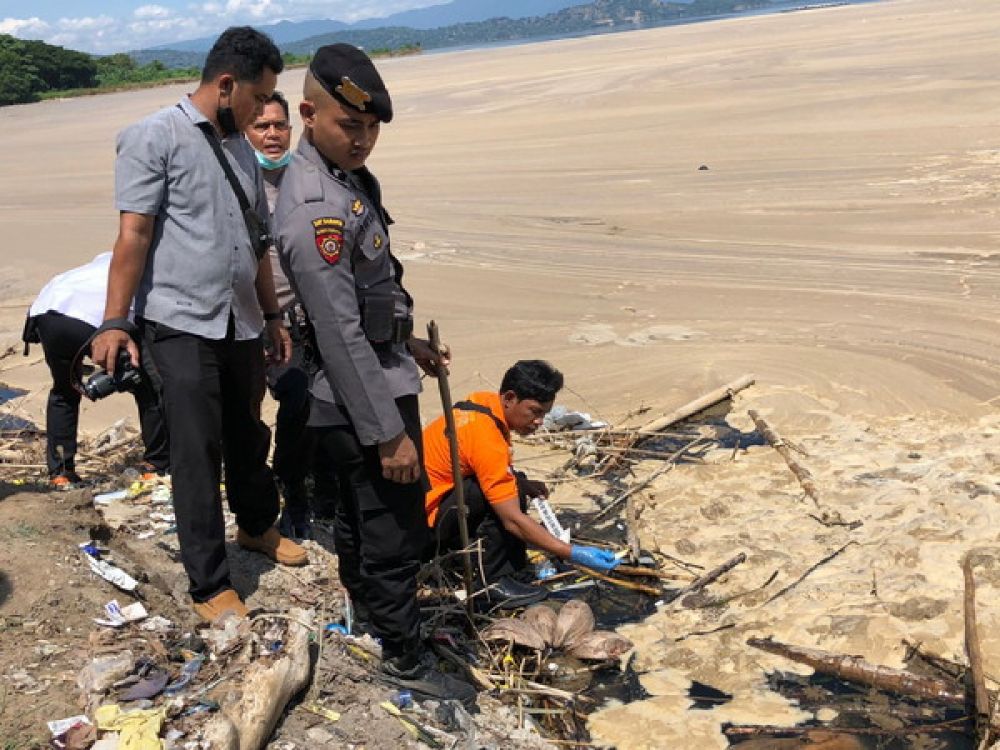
{"x": 24, "y": 28}
{"x": 152, "y": 11}
{"x": 87, "y": 23}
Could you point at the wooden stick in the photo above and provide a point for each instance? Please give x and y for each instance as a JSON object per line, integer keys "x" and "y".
{"x": 456, "y": 469}
{"x": 977, "y": 680}
{"x": 802, "y": 577}
{"x": 702, "y": 581}
{"x": 856, "y": 669}
{"x": 634, "y": 570}
{"x": 774, "y": 439}
{"x": 641, "y": 485}
{"x": 634, "y": 586}
{"x": 699, "y": 404}
{"x": 632, "y": 528}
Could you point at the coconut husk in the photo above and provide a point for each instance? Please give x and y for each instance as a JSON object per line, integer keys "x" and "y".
{"x": 543, "y": 619}
{"x": 599, "y": 645}
{"x": 520, "y": 632}
{"x": 574, "y": 620}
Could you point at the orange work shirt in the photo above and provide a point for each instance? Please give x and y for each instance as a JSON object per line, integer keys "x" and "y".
{"x": 483, "y": 451}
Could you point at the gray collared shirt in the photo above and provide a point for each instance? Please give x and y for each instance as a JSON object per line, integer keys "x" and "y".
{"x": 200, "y": 265}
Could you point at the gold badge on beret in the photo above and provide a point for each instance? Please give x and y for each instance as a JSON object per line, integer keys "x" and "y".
{"x": 354, "y": 95}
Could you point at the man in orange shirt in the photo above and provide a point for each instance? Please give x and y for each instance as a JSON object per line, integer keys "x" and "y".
{"x": 495, "y": 494}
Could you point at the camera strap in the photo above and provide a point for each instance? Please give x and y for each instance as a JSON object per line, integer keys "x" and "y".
{"x": 209, "y": 132}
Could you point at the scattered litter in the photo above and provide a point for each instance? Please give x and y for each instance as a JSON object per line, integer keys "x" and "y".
{"x": 140, "y": 729}
{"x": 61, "y": 726}
{"x": 188, "y": 672}
{"x": 112, "y": 574}
{"x": 156, "y": 624}
{"x": 117, "y": 616}
{"x": 148, "y": 687}
{"x": 326, "y": 713}
{"x": 561, "y": 418}
{"x": 106, "y": 498}
{"x": 105, "y": 671}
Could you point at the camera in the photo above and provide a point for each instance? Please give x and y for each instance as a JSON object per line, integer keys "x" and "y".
{"x": 102, "y": 384}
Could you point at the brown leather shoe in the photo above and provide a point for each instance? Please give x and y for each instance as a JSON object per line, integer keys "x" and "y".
{"x": 274, "y": 545}
{"x": 223, "y": 603}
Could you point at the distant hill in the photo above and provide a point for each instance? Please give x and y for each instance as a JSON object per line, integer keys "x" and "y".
{"x": 595, "y": 17}
{"x": 435, "y": 16}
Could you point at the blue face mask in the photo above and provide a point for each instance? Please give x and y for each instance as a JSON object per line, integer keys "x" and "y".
{"x": 266, "y": 163}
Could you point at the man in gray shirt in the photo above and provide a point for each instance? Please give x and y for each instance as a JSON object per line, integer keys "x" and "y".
{"x": 187, "y": 253}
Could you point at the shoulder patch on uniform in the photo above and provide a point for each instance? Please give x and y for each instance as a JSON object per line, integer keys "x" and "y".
{"x": 357, "y": 208}
{"x": 329, "y": 234}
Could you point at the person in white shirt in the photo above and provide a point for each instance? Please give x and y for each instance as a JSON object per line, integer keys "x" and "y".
{"x": 62, "y": 319}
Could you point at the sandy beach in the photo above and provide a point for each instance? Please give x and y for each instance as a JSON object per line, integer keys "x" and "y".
{"x": 841, "y": 243}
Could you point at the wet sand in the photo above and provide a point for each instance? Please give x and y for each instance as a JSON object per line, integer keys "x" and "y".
{"x": 841, "y": 245}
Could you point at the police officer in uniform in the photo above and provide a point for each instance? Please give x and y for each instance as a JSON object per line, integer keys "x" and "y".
{"x": 333, "y": 240}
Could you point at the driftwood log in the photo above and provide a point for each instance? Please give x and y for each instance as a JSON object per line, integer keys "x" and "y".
{"x": 775, "y": 441}
{"x": 978, "y": 695}
{"x": 699, "y": 404}
{"x": 855, "y": 669}
{"x": 251, "y": 709}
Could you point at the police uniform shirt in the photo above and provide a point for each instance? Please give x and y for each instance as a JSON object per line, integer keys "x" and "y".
{"x": 334, "y": 246}
{"x": 200, "y": 266}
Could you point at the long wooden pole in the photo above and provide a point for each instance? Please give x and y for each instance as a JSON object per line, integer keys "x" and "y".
{"x": 699, "y": 404}
{"x": 775, "y": 441}
{"x": 980, "y": 698}
{"x": 458, "y": 491}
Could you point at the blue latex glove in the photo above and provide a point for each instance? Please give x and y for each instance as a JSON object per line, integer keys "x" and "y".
{"x": 593, "y": 557}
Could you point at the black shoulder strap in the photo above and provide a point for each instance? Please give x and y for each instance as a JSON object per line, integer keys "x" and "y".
{"x": 471, "y": 406}
{"x": 209, "y": 132}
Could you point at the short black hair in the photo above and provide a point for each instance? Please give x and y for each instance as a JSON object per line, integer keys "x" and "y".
{"x": 532, "y": 378}
{"x": 243, "y": 52}
{"x": 278, "y": 97}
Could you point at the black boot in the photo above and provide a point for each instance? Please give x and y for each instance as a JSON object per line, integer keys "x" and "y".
{"x": 415, "y": 672}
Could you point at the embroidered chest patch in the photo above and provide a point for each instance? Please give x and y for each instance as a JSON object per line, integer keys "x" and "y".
{"x": 329, "y": 235}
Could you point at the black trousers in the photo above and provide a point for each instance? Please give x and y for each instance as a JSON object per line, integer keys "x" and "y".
{"x": 503, "y": 553}
{"x": 212, "y": 390}
{"x": 62, "y": 337}
{"x": 293, "y": 441}
{"x": 380, "y": 533}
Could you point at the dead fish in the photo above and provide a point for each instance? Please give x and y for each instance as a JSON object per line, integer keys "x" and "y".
{"x": 543, "y": 619}
{"x": 599, "y": 645}
{"x": 575, "y": 620}
{"x": 520, "y": 632}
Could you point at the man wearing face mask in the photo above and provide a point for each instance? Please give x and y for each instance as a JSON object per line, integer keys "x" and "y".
{"x": 294, "y": 449}
{"x": 191, "y": 252}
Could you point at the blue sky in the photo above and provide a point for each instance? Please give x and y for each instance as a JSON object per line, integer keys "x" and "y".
{"x": 106, "y": 26}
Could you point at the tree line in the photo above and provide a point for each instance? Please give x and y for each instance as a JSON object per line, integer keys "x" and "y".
{"x": 31, "y": 70}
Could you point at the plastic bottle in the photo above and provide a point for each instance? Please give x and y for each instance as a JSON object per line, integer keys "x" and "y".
{"x": 544, "y": 569}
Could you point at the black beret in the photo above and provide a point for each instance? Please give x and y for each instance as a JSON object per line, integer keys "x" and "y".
{"x": 349, "y": 75}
